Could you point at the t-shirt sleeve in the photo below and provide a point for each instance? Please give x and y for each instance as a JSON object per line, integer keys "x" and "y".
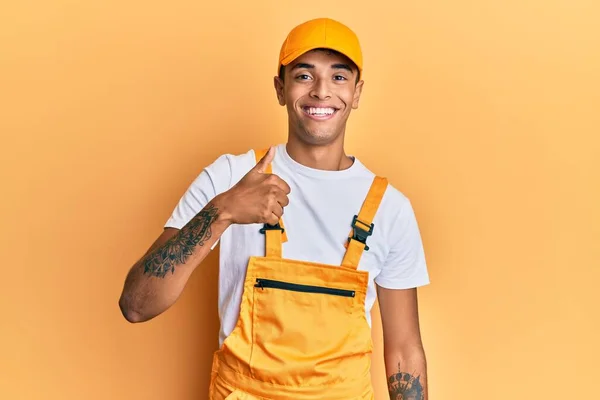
{"x": 405, "y": 266}
{"x": 212, "y": 180}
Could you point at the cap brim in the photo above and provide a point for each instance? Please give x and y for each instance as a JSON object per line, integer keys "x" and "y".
{"x": 295, "y": 54}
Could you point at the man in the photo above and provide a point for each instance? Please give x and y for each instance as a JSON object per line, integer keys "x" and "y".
{"x": 296, "y": 287}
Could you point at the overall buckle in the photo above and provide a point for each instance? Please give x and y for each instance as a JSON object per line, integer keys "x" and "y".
{"x": 268, "y": 227}
{"x": 360, "y": 234}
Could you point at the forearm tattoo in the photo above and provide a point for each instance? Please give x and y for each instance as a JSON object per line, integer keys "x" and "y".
{"x": 180, "y": 247}
{"x": 405, "y": 386}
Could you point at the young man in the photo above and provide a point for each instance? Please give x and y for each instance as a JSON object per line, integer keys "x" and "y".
{"x": 309, "y": 237}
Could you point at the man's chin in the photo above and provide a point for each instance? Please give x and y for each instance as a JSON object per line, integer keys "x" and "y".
{"x": 317, "y": 137}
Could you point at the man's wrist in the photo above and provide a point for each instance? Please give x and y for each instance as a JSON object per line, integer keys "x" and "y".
{"x": 224, "y": 216}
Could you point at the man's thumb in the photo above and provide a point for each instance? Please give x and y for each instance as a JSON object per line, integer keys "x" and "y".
{"x": 263, "y": 163}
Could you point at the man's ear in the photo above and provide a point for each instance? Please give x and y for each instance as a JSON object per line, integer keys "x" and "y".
{"x": 357, "y": 93}
{"x": 278, "y": 83}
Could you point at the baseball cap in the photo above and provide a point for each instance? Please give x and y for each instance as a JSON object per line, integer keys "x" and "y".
{"x": 321, "y": 33}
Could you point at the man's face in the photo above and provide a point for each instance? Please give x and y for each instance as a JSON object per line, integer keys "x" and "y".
{"x": 319, "y": 90}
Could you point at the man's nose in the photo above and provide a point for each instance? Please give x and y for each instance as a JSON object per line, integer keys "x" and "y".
{"x": 320, "y": 90}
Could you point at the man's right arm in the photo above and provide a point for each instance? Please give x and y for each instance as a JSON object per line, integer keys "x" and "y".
{"x": 157, "y": 280}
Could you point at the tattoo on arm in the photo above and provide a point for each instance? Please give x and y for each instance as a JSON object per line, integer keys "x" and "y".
{"x": 405, "y": 386}
{"x": 181, "y": 246}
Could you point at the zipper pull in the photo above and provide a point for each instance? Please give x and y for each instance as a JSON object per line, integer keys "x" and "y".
{"x": 259, "y": 284}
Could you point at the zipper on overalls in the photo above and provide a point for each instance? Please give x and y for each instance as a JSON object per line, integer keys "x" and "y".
{"x": 268, "y": 283}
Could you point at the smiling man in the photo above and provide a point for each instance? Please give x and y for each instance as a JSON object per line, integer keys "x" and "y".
{"x": 310, "y": 237}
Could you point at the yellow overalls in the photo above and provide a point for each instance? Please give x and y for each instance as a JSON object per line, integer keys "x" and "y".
{"x": 302, "y": 332}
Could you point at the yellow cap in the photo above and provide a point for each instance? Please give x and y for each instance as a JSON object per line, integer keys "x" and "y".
{"x": 321, "y": 33}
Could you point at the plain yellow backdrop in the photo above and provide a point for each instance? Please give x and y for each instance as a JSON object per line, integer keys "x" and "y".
{"x": 485, "y": 114}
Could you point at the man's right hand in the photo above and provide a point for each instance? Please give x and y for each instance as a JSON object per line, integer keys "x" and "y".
{"x": 258, "y": 197}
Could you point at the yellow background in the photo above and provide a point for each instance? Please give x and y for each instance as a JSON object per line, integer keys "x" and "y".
{"x": 484, "y": 113}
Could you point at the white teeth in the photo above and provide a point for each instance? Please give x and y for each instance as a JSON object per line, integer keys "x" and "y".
{"x": 320, "y": 111}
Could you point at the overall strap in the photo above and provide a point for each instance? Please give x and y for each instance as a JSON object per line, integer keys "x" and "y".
{"x": 362, "y": 224}
{"x": 274, "y": 234}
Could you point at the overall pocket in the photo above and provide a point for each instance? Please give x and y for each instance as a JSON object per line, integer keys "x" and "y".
{"x": 304, "y": 334}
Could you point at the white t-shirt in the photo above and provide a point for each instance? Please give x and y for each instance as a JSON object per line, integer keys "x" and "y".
{"x": 317, "y": 222}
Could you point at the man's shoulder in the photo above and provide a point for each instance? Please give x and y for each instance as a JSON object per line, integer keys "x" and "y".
{"x": 393, "y": 197}
{"x": 233, "y": 161}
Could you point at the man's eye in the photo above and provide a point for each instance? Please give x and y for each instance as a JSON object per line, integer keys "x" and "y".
{"x": 303, "y": 76}
{"x": 339, "y": 78}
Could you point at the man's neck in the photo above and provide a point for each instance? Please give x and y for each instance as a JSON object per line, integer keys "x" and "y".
{"x": 328, "y": 157}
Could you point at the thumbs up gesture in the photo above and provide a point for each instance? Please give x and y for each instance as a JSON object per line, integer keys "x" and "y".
{"x": 258, "y": 197}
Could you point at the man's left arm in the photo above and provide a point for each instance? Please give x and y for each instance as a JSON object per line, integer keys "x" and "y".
{"x": 405, "y": 362}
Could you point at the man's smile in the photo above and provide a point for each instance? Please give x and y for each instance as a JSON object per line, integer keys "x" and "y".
{"x": 319, "y": 113}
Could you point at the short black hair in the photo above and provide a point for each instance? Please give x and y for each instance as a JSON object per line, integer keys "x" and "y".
{"x": 352, "y": 64}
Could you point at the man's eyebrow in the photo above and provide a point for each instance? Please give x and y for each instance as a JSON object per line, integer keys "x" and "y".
{"x": 303, "y": 65}
{"x": 342, "y": 66}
